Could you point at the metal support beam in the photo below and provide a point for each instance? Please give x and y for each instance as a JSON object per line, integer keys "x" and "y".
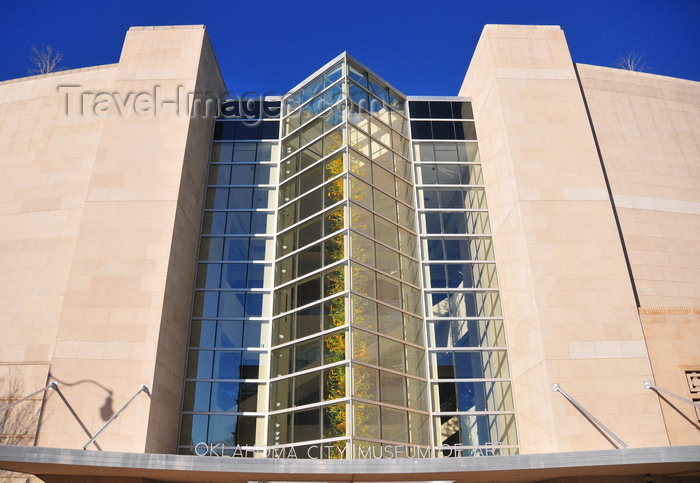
{"x": 143, "y": 388}
{"x": 52, "y": 385}
{"x": 599, "y": 426}
{"x": 657, "y": 389}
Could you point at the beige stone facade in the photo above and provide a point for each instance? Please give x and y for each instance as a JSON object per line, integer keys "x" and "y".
{"x": 569, "y": 303}
{"x": 648, "y": 129}
{"x": 99, "y": 224}
{"x": 591, "y": 176}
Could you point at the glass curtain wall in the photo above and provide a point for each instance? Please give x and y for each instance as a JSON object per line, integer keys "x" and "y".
{"x": 322, "y": 325}
{"x": 471, "y": 396}
{"x": 347, "y": 368}
{"x": 227, "y": 368}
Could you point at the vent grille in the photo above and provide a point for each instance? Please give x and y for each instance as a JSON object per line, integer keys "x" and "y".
{"x": 693, "y": 378}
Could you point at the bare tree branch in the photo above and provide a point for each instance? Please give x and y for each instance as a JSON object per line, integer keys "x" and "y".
{"x": 632, "y": 61}
{"x": 17, "y": 424}
{"x": 45, "y": 60}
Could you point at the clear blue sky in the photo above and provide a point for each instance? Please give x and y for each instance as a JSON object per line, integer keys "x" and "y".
{"x": 422, "y": 47}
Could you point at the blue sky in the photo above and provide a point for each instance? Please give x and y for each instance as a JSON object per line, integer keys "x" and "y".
{"x": 422, "y": 47}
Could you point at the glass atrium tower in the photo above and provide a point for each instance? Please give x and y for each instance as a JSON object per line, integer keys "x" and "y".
{"x": 343, "y": 310}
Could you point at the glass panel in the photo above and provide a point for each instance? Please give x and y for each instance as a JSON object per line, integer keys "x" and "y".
{"x": 359, "y": 141}
{"x": 334, "y": 192}
{"x": 243, "y": 174}
{"x": 365, "y": 347}
{"x": 362, "y": 249}
{"x": 443, "y": 129}
{"x": 225, "y": 396}
{"x": 363, "y": 280}
{"x": 359, "y": 116}
{"x": 390, "y": 320}
{"x": 413, "y": 329}
{"x": 311, "y": 131}
{"x": 385, "y": 232}
{"x": 391, "y": 354}
{"x": 367, "y": 422}
{"x": 309, "y": 232}
{"x": 454, "y": 222}
{"x": 334, "y": 312}
{"x": 467, "y": 333}
{"x": 262, "y": 199}
{"x": 307, "y": 388}
{"x": 231, "y": 304}
{"x": 256, "y": 275}
{"x": 360, "y": 166}
{"x": 221, "y": 152}
{"x": 440, "y": 110}
{"x": 208, "y": 275}
{"x": 334, "y": 220}
{"x": 334, "y": 281}
{"x": 462, "y": 110}
{"x": 387, "y": 260}
{"x": 237, "y": 223}
{"x": 384, "y": 204}
{"x": 476, "y": 430}
{"x": 357, "y": 75}
{"x": 197, "y": 395}
{"x": 334, "y": 383}
{"x": 393, "y": 388}
{"x": 364, "y": 312}
{"x": 409, "y": 269}
{"x": 419, "y": 428}
{"x": 394, "y": 425}
{"x": 259, "y": 247}
{"x": 404, "y": 191}
{"x": 311, "y": 89}
{"x": 465, "y": 304}
{"x": 415, "y": 361}
{"x": 205, "y": 304}
{"x": 307, "y": 354}
{"x": 362, "y": 220}
{"x": 281, "y": 361}
{"x": 244, "y": 152}
{"x": 419, "y": 109}
{"x": 308, "y": 321}
{"x": 264, "y": 152}
{"x": 203, "y": 333}
{"x": 411, "y": 299}
{"x": 194, "y": 428}
{"x": 473, "y": 396}
{"x": 334, "y": 347}
{"x": 211, "y": 248}
{"x": 384, "y": 180}
{"x": 421, "y": 130}
{"x": 333, "y": 74}
{"x": 470, "y": 364}
{"x": 230, "y": 333}
{"x": 214, "y": 223}
{"x": 307, "y": 425}
{"x": 334, "y": 420}
{"x": 254, "y": 331}
{"x": 227, "y": 365}
{"x": 234, "y": 276}
{"x": 417, "y": 394}
{"x": 219, "y": 174}
{"x": 366, "y": 381}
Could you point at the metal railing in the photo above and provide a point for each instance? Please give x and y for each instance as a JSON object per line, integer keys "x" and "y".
{"x": 143, "y": 388}
{"x": 598, "y": 425}
{"x": 51, "y": 385}
{"x": 657, "y": 389}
